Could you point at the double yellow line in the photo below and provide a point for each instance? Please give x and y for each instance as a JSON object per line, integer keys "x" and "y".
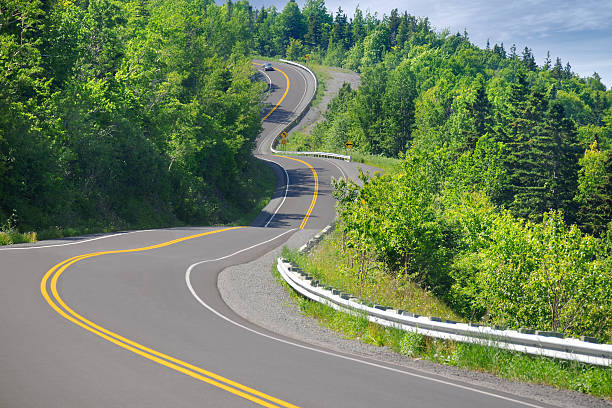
{"x": 48, "y": 289}
{"x": 59, "y": 305}
{"x": 314, "y": 172}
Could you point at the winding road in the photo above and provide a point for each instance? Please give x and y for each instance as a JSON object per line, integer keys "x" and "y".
{"x": 135, "y": 319}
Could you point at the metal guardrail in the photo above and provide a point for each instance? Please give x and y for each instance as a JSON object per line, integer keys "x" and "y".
{"x": 315, "y": 154}
{"x": 298, "y": 119}
{"x": 528, "y": 341}
{"x": 536, "y": 344}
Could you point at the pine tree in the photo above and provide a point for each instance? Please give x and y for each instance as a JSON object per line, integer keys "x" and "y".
{"x": 542, "y": 154}
{"x": 547, "y": 61}
{"x": 529, "y": 60}
{"x": 562, "y": 175}
{"x": 531, "y": 159}
{"x": 557, "y": 70}
{"x": 595, "y": 191}
{"x": 393, "y": 24}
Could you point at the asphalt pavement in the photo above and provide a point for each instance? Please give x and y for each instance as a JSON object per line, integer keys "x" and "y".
{"x": 135, "y": 319}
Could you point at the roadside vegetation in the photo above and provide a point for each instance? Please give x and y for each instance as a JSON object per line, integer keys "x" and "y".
{"x": 501, "y": 205}
{"x": 510, "y": 365}
{"x": 126, "y": 114}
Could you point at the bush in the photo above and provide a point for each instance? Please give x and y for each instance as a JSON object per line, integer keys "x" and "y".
{"x": 546, "y": 276}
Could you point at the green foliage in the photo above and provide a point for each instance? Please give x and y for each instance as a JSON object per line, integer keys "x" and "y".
{"x": 412, "y": 344}
{"x": 546, "y": 276}
{"x": 10, "y": 235}
{"x": 434, "y": 223}
{"x": 595, "y": 190}
{"x": 126, "y": 114}
{"x": 295, "y": 50}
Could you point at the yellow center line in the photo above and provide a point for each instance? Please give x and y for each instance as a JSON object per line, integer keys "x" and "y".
{"x": 314, "y": 172}
{"x": 315, "y": 192}
{"x": 282, "y": 97}
{"x": 193, "y": 371}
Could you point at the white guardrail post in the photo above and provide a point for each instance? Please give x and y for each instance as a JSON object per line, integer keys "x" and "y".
{"x": 526, "y": 341}
{"x": 297, "y": 120}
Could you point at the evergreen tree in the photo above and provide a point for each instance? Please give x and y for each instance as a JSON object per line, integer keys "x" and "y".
{"x": 340, "y": 29}
{"x": 530, "y": 158}
{"x": 358, "y": 27}
{"x": 393, "y": 22}
{"x": 595, "y": 191}
{"x": 478, "y": 111}
{"x": 562, "y": 174}
{"x": 317, "y": 22}
{"x": 529, "y": 60}
{"x": 292, "y": 22}
{"x": 547, "y": 61}
{"x": 557, "y": 70}
{"x": 499, "y": 50}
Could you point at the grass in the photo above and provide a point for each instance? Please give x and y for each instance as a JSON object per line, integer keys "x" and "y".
{"x": 388, "y": 165}
{"x": 327, "y": 265}
{"x": 323, "y": 75}
{"x": 9, "y": 237}
{"x": 301, "y": 141}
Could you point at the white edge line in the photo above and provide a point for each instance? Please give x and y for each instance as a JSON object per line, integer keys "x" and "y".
{"x": 329, "y": 353}
{"x": 68, "y": 243}
{"x": 302, "y": 98}
{"x": 339, "y": 168}
{"x": 286, "y": 192}
{"x": 188, "y": 272}
{"x": 269, "y": 79}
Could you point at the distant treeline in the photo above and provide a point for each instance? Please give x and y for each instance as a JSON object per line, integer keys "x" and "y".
{"x": 503, "y": 204}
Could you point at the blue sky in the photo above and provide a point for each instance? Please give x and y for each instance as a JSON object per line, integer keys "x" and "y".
{"x": 578, "y": 32}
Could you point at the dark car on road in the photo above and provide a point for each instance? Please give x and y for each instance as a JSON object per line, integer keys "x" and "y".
{"x": 268, "y": 67}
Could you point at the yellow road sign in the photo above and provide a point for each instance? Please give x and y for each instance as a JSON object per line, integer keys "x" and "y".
{"x": 284, "y": 135}
{"x": 306, "y": 56}
{"x": 349, "y": 145}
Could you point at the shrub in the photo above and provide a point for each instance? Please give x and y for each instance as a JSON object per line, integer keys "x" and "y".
{"x": 547, "y": 276}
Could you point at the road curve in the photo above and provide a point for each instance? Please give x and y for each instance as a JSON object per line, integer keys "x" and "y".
{"x": 135, "y": 319}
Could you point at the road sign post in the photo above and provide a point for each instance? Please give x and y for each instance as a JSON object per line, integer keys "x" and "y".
{"x": 284, "y": 136}
{"x": 349, "y": 145}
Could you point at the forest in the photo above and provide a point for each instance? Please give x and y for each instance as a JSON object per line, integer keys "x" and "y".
{"x": 145, "y": 112}
{"x": 503, "y": 203}
{"x": 125, "y": 114}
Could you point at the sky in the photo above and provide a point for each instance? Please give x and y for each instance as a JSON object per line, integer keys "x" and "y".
{"x": 578, "y": 32}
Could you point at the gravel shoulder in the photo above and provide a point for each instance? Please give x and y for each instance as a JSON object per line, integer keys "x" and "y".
{"x": 338, "y": 77}
{"x": 253, "y": 293}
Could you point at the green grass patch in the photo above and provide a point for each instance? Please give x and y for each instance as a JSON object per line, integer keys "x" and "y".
{"x": 328, "y": 265}
{"x": 303, "y": 142}
{"x": 9, "y": 234}
{"x": 562, "y": 374}
{"x": 323, "y": 75}
{"x": 388, "y": 165}
{"x": 15, "y": 237}
{"x": 341, "y": 268}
